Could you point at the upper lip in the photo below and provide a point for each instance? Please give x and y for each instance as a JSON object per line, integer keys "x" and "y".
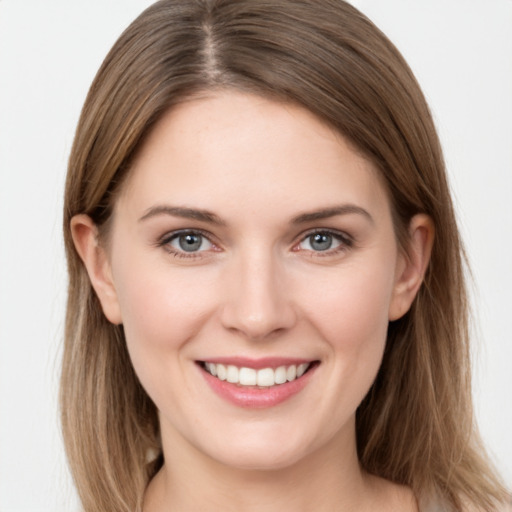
{"x": 259, "y": 363}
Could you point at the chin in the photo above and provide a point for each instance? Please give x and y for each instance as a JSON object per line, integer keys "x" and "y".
{"x": 260, "y": 460}
{"x": 262, "y": 452}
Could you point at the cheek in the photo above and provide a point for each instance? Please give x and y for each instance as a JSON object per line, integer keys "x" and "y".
{"x": 161, "y": 310}
{"x": 351, "y": 314}
{"x": 352, "y": 308}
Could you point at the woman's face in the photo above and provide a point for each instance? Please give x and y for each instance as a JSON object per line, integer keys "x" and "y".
{"x": 252, "y": 242}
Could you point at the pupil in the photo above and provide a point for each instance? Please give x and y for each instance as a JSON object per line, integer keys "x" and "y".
{"x": 190, "y": 243}
{"x": 321, "y": 241}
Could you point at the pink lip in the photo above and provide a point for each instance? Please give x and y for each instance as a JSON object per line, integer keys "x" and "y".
{"x": 254, "y": 397}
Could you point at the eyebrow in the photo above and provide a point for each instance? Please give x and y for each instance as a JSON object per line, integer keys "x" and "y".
{"x": 332, "y": 211}
{"x": 207, "y": 216}
{"x": 185, "y": 213}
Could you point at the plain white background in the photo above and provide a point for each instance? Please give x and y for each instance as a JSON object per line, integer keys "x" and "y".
{"x": 461, "y": 52}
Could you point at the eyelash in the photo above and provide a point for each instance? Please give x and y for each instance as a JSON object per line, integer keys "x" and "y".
{"x": 345, "y": 242}
{"x": 166, "y": 240}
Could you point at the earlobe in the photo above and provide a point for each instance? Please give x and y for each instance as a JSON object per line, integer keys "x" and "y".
{"x": 94, "y": 257}
{"x": 412, "y": 265}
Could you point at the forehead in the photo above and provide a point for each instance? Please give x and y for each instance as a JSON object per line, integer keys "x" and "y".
{"x": 231, "y": 148}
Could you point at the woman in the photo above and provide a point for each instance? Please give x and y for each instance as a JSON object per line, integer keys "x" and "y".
{"x": 266, "y": 304}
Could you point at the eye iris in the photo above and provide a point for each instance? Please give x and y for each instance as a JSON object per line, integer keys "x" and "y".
{"x": 321, "y": 241}
{"x": 190, "y": 242}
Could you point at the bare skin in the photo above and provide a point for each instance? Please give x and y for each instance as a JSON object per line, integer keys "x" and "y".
{"x": 324, "y": 491}
{"x": 248, "y": 228}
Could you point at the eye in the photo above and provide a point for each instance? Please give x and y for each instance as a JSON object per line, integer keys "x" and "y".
{"x": 324, "y": 241}
{"x": 191, "y": 242}
{"x": 186, "y": 243}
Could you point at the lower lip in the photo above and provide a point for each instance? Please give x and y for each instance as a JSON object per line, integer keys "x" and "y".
{"x": 257, "y": 398}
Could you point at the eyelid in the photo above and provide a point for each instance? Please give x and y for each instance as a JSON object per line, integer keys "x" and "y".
{"x": 171, "y": 235}
{"x": 343, "y": 235}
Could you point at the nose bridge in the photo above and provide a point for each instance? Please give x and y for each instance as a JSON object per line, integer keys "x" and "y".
{"x": 257, "y": 304}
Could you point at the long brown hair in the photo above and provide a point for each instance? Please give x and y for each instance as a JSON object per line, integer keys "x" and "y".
{"x": 416, "y": 424}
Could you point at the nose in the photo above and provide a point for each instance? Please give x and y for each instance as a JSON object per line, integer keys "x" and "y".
{"x": 258, "y": 304}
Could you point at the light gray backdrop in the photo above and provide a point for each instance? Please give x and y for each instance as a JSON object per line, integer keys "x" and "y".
{"x": 461, "y": 52}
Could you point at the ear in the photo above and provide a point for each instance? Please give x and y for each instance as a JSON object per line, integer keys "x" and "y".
{"x": 95, "y": 258}
{"x": 412, "y": 265}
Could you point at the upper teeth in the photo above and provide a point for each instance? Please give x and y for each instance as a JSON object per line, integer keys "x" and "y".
{"x": 250, "y": 377}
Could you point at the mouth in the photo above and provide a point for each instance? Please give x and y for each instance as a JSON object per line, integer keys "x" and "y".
{"x": 262, "y": 378}
{"x": 257, "y": 383}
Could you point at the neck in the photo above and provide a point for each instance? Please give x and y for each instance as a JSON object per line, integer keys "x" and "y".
{"x": 328, "y": 479}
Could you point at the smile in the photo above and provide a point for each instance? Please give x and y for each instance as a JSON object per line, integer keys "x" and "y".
{"x": 264, "y": 377}
{"x": 257, "y": 383}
